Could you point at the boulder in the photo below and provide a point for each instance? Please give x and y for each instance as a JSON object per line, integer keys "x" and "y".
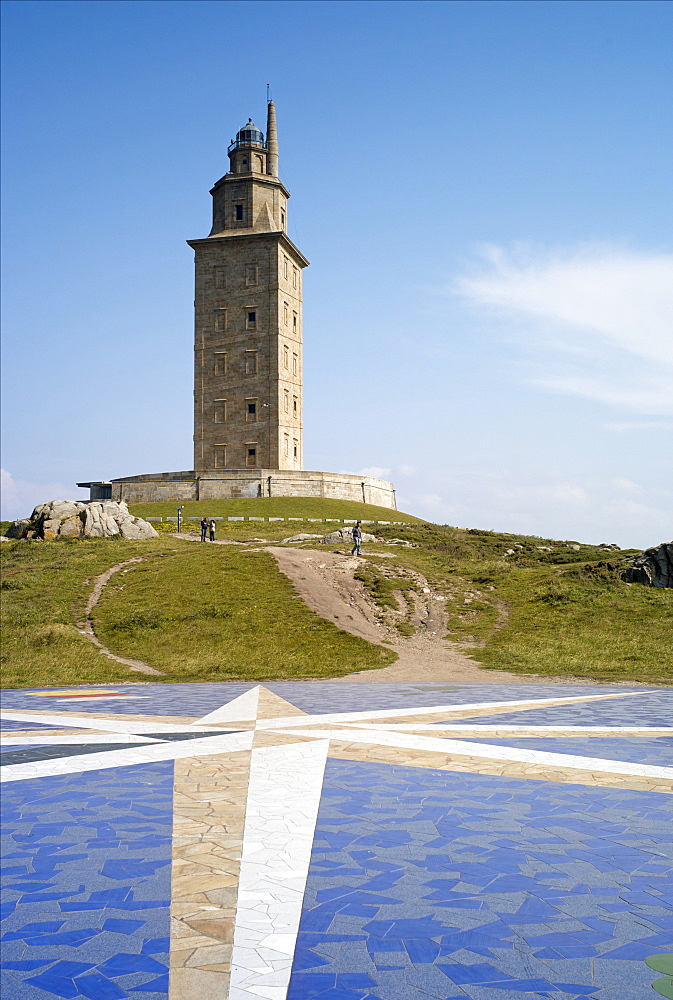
{"x": 653, "y": 567}
{"x": 76, "y": 519}
{"x": 342, "y": 535}
{"x": 301, "y": 537}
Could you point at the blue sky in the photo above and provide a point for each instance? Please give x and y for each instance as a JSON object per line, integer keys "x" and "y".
{"x": 483, "y": 189}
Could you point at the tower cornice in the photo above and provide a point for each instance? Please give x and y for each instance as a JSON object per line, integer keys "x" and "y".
{"x": 261, "y": 179}
{"x": 279, "y": 235}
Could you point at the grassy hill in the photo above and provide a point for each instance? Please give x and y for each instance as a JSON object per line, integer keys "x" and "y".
{"x": 299, "y": 507}
{"x": 543, "y": 606}
{"x": 530, "y": 605}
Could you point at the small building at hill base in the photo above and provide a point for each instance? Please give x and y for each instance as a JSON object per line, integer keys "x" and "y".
{"x": 248, "y": 351}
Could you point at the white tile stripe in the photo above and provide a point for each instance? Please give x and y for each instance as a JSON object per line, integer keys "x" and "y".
{"x": 392, "y": 713}
{"x": 75, "y": 740}
{"x": 125, "y": 758}
{"x": 101, "y": 722}
{"x": 240, "y": 709}
{"x": 283, "y": 799}
{"x": 468, "y": 749}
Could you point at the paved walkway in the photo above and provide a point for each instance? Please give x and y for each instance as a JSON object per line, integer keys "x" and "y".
{"x": 336, "y": 840}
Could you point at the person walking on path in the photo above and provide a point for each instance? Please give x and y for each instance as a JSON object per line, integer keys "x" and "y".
{"x": 211, "y": 529}
{"x": 204, "y": 528}
{"x": 357, "y": 539}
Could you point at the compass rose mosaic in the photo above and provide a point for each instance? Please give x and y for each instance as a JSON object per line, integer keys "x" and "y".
{"x": 336, "y": 840}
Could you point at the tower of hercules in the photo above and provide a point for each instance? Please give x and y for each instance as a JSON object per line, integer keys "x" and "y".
{"x": 248, "y": 369}
{"x": 248, "y": 322}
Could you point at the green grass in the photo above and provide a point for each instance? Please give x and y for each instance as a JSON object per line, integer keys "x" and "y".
{"x": 212, "y": 613}
{"x": 195, "y": 612}
{"x": 382, "y": 586}
{"x": 563, "y": 613}
{"x": 303, "y": 507}
{"x": 583, "y": 625}
{"x": 44, "y": 589}
{"x": 219, "y": 612}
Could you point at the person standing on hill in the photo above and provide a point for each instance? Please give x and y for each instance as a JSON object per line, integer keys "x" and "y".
{"x": 211, "y": 529}
{"x": 204, "y": 528}
{"x": 357, "y": 539}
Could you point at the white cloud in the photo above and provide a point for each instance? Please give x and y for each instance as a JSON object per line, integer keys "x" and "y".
{"x": 599, "y": 321}
{"x": 19, "y": 496}
{"x": 375, "y": 471}
{"x": 406, "y": 470}
{"x": 550, "y": 503}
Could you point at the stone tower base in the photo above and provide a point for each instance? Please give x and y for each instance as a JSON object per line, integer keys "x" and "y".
{"x": 227, "y": 484}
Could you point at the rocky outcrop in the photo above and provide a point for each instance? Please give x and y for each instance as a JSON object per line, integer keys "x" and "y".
{"x": 342, "y": 535}
{"x": 653, "y": 567}
{"x": 98, "y": 519}
{"x": 301, "y": 537}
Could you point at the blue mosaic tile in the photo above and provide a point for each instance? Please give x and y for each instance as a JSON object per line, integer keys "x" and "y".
{"x": 645, "y": 709}
{"x": 65, "y": 941}
{"x": 526, "y": 917}
{"x": 657, "y": 751}
{"x": 310, "y": 696}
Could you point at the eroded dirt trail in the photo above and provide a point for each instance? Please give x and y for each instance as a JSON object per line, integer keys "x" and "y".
{"x": 325, "y": 581}
{"x": 86, "y": 626}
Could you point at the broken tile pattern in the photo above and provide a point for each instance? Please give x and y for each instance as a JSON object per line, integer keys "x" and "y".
{"x": 210, "y": 795}
{"x": 10, "y": 725}
{"x": 284, "y": 793}
{"x": 464, "y": 748}
{"x": 428, "y": 884}
{"x": 143, "y": 754}
{"x": 647, "y": 709}
{"x": 636, "y": 749}
{"x": 87, "y": 884}
{"x": 209, "y": 810}
{"x": 482, "y": 765}
{"x": 321, "y": 696}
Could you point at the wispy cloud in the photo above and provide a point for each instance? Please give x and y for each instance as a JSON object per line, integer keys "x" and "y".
{"x": 19, "y": 496}
{"x": 549, "y": 503}
{"x": 596, "y": 322}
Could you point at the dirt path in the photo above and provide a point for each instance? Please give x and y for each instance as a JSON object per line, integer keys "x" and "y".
{"x": 86, "y": 627}
{"x": 325, "y": 582}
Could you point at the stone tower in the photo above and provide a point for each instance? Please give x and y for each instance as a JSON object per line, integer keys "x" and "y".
{"x": 248, "y": 322}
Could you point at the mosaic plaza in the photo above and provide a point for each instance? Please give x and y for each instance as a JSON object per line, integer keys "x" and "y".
{"x": 337, "y": 840}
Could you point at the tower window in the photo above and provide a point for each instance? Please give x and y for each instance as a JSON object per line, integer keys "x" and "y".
{"x": 220, "y": 456}
{"x": 219, "y": 277}
{"x": 251, "y": 362}
{"x": 251, "y": 457}
{"x": 287, "y": 445}
{"x": 294, "y": 364}
{"x": 220, "y": 319}
{"x": 294, "y": 277}
{"x": 286, "y": 401}
{"x": 220, "y": 411}
{"x": 282, "y": 220}
{"x": 251, "y": 412}
{"x": 294, "y": 406}
{"x": 251, "y": 320}
{"x": 239, "y": 213}
{"x": 285, "y": 267}
{"x": 295, "y": 450}
{"x": 285, "y": 313}
{"x": 251, "y": 273}
{"x": 294, "y": 322}
{"x": 220, "y": 363}
{"x": 286, "y": 357}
